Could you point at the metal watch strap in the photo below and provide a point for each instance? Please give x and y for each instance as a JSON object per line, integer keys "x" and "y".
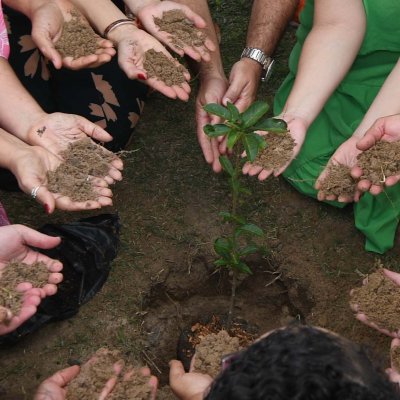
{"x": 259, "y": 56}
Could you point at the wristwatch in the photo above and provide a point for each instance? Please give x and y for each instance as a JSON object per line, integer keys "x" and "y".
{"x": 259, "y": 56}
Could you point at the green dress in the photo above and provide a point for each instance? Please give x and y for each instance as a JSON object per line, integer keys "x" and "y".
{"x": 376, "y": 216}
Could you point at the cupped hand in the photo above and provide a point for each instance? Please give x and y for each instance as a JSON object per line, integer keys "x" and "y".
{"x": 47, "y": 26}
{"x": 297, "y": 127}
{"x": 187, "y": 386}
{"x": 346, "y": 154}
{"x": 15, "y": 245}
{"x": 147, "y": 14}
{"x": 395, "y": 277}
{"x": 386, "y": 129}
{"x": 211, "y": 90}
{"x": 132, "y": 46}
{"x": 393, "y": 373}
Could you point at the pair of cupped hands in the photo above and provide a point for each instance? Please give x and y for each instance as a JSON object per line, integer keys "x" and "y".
{"x": 131, "y": 42}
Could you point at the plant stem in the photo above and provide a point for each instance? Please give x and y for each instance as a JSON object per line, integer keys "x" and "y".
{"x": 233, "y": 297}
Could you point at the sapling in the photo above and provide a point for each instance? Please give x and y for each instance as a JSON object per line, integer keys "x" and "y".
{"x": 243, "y": 144}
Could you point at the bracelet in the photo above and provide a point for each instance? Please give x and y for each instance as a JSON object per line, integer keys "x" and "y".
{"x": 116, "y": 24}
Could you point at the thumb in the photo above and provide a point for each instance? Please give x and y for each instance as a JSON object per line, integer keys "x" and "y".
{"x": 47, "y": 48}
{"x": 176, "y": 371}
{"x": 45, "y": 197}
{"x": 37, "y": 239}
{"x": 232, "y": 94}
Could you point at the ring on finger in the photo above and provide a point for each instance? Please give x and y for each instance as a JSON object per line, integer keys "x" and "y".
{"x": 34, "y": 191}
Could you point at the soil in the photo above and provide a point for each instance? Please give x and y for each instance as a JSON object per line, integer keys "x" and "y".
{"x": 78, "y": 39}
{"x": 211, "y": 349}
{"x": 380, "y": 162}
{"x": 278, "y": 152}
{"x": 83, "y": 158}
{"x": 183, "y": 31}
{"x": 161, "y": 67}
{"x": 137, "y": 388}
{"x": 15, "y": 273}
{"x": 338, "y": 181}
{"x": 379, "y": 299}
{"x": 395, "y": 358}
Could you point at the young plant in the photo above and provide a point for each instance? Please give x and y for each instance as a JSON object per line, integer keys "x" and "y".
{"x": 243, "y": 144}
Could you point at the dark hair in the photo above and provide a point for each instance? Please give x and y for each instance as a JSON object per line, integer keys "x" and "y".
{"x": 302, "y": 363}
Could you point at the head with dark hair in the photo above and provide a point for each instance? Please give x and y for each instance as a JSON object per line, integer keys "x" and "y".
{"x": 302, "y": 363}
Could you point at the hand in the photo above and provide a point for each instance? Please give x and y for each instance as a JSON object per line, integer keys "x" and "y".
{"x": 53, "y": 388}
{"x": 15, "y": 245}
{"x": 394, "y": 375}
{"x": 187, "y": 386}
{"x": 146, "y": 16}
{"x": 346, "y": 154}
{"x": 244, "y": 81}
{"x": 47, "y": 25}
{"x": 211, "y": 90}
{"x": 395, "y": 277}
{"x": 30, "y": 168}
{"x": 387, "y": 129}
{"x": 132, "y": 45}
{"x": 297, "y": 127}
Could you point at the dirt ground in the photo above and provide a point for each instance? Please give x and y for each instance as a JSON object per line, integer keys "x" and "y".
{"x": 163, "y": 277}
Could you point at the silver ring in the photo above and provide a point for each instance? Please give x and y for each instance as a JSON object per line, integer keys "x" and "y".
{"x": 34, "y": 191}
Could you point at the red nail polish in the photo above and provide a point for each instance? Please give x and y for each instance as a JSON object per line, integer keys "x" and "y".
{"x": 142, "y": 77}
{"x": 46, "y": 209}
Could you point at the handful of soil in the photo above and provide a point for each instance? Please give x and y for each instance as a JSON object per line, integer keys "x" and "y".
{"x": 379, "y": 299}
{"x": 211, "y": 349}
{"x": 338, "y": 181}
{"x": 183, "y": 32}
{"x": 15, "y": 273}
{"x": 161, "y": 67}
{"x": 78, "y": 39}
{"x": 380, "y": 161}
{"x": 81, "y": 159}
{"x": 278, "y": 152}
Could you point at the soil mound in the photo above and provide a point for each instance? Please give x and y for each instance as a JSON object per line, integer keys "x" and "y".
{"x": 78, "y": 39}
{"x": 15, "y": 273}
{"x": 183, "y": 32}
{"x": 278, "y": 152}
{"x": 379, "y": 299}
{"x": 161, "y": 67}
{"x": 338, "y": 181}
{"x": 82, "y": 159}
{"x": 380, "y": 161}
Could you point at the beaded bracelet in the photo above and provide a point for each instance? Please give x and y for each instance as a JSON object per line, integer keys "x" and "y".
{"x": 116, "y": 24}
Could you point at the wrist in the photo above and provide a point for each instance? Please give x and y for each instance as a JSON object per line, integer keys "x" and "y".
{"x": 121, "y": 32}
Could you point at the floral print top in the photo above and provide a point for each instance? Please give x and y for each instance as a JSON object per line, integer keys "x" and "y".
{"x": 4, "y": 45}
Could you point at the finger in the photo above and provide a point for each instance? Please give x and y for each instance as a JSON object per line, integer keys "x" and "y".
{"x": 195, "y": 18}
{"x": 394, "y": 276}
{"x": 370, "y": 138}
{"x": 375, "y": 190}
{"x": 79, "y": 63}
{"x": 364, "y": 185}
{"x": 49, "y": 289}
{"x": 114, "y": 174}
{"x": 345, "y": 199}
{"x": 45, "y": 197}
{"x": 36, "y": 239}
{"x": 110, "y": 384}
{"x": 176, "y": 371}
{"x": 94, "y": 131}
{"x": 232, "y": 94}
{"x": 105, "y": 201}
{"x": 46, "y": 47}
{"x": 55, "y": 278}
{"x": 255, "y": 170}
{"x": 392, "y": 180}
{"x": 117, "y": 163}
{"x": 65, "y": 376}
{"x": 356, "y": 172}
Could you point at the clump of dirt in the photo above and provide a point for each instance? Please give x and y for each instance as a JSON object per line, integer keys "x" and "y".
{"x": 278, "y": 152}
{"x": 380, "y": 162}
{"x": 161, "y": 67}
{"x": 395, "y": 357}
{"x": 182, "y": 31}
{"x": 379, "y": 299}
{"x": 211, "y": 349}
{"x": 78, "y": 39}
{"x": 338, "y": 181}
{"x": 137, "y": 388}
{"x": 82, "y": 159}
{"x": 15, "y": 273}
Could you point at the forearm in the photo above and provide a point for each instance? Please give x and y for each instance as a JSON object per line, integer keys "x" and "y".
{"x": 18, "y": 109}
{"x": 10, "y": 147}
{"x": 26, "y": 7}
{"x": 387, "y": 102}
{"x": 328, "y": 53}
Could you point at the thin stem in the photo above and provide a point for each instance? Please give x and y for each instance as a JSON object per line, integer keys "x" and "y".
{"x": 233, "y": 297}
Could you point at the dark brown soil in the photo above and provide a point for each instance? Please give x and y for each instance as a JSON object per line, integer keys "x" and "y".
{"x": 81, "y": 159}
{"x": 379, "y": 299}
{"x": 158, "y": 65}
{"x": 278, "y": 152}
{"x": 78, "y": 39}
{"x": 15, "y": 273}
{"x": 395, "y": 357}
{"x": 211, "y": 349}
{"x": 338, "y": 181}
{"x": 183, "y": 32}
{"x": 380, "y": 162}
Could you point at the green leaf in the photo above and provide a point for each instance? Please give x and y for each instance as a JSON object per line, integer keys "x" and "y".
{"x": 254, "y": 113}
{"x": 235, "y": 115}
{"x": 271, "y": 125}
{"x": 220, "y": 263}
{"x": 227, "y": 165}
{"x": 251, "y": 145}
{"x": 244, "y": 268}
{"x": 217, "y": 109}
{"x": 227, "y": 216}
{"x": 249, "y": 249}
{"x": 251, "y": 229}
{"x": 216, "y": 130}
{"x": 233, "y": 137}
{"x": 223, "y": 248}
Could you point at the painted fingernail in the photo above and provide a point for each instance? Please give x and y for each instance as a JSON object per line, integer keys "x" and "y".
{"x": 46, "y": 209}
{"x": 142, "y": 77}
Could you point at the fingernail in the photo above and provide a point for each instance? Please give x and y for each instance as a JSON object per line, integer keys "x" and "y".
{"x": 142, "y": 77}
{"x": 46, "y": 209}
